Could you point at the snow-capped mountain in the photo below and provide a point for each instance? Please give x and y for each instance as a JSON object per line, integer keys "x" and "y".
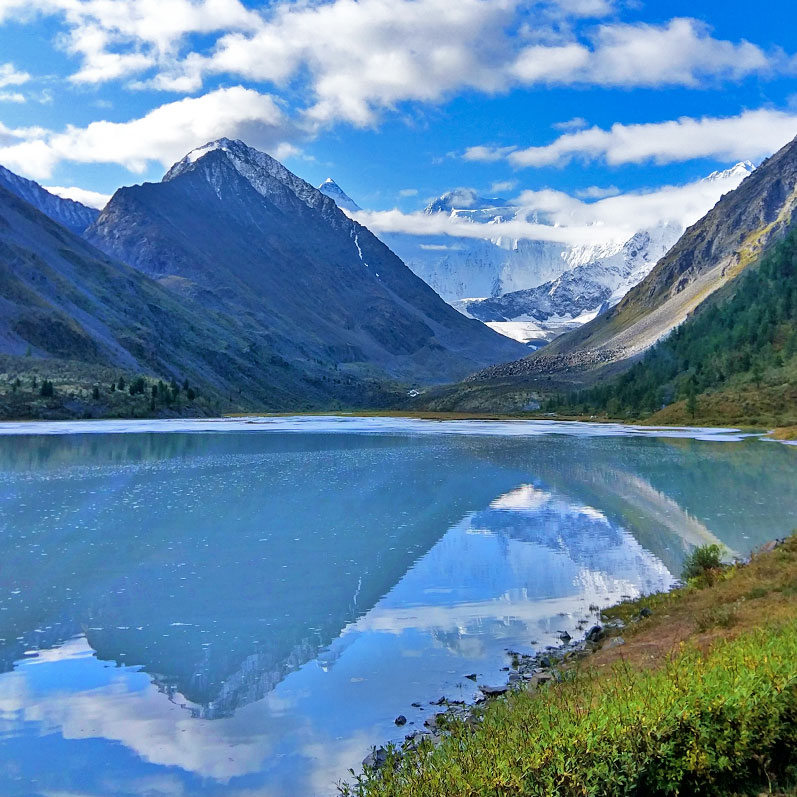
{"x": 739, "y": 171}
{"x": 73, "y": 215}
{"x": 466, "y": 267}
{"x": 534, "y": 290}
{"x": 537, "y": 315}
{"x": 331, "y": 189}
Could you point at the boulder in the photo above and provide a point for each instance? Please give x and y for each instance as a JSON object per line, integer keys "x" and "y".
{"x": 595, "y": 634}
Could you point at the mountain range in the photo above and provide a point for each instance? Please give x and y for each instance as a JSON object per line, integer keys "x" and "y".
{"x": 236, "y": 276}
{"x": 232, "y": 273}
{"x": 699, "y": 273}
{"x": 530, "y": 290}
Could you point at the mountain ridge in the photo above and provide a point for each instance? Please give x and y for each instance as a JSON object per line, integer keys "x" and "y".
{"x": 73, "y": 215}
{"x": 224, "y": 220}
{"x": 710, "y": 253}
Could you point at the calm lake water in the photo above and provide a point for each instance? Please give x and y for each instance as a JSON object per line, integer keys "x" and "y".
{"x": 241, "y": 608}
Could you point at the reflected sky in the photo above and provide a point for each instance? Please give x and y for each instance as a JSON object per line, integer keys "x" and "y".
{"x": 246, "y": 613}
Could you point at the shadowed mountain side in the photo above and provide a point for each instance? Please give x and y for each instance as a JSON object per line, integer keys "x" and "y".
{"x": 728, "y": 239}
{"x": 73, "y": 215}
{"x": 234, "y": 230}
{"x": 64, "y": 299}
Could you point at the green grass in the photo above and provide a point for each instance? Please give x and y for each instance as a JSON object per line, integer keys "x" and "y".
{"x": 720, "y": 723}
{"x": 702, "y": 699}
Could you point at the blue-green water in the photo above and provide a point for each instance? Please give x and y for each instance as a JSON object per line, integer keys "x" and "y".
{"x": 243, "y": 609}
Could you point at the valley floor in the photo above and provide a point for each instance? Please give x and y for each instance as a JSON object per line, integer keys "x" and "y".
{"x": 699, "y": 695}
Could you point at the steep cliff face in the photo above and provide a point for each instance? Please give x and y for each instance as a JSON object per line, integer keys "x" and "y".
{"x": 237, "y": 232}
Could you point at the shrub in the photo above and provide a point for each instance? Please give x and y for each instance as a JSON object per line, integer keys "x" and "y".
{"x": 722, "y": 616}
{"x": 701, "y": 561}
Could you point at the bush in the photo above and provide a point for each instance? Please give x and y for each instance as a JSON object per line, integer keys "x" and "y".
{"x": 702, "y": 561}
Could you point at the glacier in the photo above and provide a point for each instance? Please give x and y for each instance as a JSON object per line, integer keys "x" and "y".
{"x": 530, "y": 290}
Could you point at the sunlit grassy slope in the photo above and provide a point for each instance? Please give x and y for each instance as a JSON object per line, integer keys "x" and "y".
{"x": 701, "y": 699}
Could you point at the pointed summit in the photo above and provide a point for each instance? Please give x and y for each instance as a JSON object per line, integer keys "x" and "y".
{"x": 737, "y": 172}
{"x": 331, "y": 189}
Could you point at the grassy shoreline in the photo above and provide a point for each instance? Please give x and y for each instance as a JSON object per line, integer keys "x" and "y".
{"x": 700, "y": 697}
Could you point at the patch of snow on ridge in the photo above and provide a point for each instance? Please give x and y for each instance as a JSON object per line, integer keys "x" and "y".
{"x": 327, "y": 424}
{"x": 359, "y": 250}
{"x": 331, "y": 189}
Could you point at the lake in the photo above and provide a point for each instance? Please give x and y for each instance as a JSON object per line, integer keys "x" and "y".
{"x": 243, "y": 607}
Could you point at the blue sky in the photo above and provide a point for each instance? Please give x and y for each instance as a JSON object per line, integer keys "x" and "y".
{"x": 399, "y": 100}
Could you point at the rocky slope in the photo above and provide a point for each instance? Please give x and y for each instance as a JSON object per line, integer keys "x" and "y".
{"x": 63, "y": 299}
{"x": 239, "y": 234}
{"x": 729, "y": 238}
{"x": 73, "y": 215}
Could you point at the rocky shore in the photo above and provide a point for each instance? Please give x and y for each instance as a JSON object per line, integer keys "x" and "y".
{"x": 524, "y": 671}
{"x": 653, "y": 623}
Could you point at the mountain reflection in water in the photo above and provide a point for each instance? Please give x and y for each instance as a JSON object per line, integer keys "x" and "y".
{"x": 301, "y": 590}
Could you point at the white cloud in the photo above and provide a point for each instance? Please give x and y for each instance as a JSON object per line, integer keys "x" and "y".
{"x": 406, "y": 192}
{"x": 749, "y": 136}
{"x": 597, "y": 192}
{"x": 12, "y": 96}
{"x": 394, "y": 221}
{"x": 163, "y": 135}
{"x": 562, "y": 218}
{"x": 10, "y": 76}
{"x": 681, "y": 52}
{"x": 93, "y": 199}
{"x": 680, "y": 204}
{"x": 372, "y": 54}
{"x": 117, "y": 38}
{"x": 502, "y": 186}
{"x": 576, "y": 123}
{"x": 487, "y": 154}
{"x": 354, "y": 58}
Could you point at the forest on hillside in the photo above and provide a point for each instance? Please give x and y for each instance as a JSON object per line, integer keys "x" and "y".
{"x": 742, "y": 340}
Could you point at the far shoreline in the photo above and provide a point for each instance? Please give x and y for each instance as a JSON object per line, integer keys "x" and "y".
{"x": 570, "y": 426}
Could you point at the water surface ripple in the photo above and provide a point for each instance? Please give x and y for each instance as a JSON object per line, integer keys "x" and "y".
{"x": 242, "y": 607}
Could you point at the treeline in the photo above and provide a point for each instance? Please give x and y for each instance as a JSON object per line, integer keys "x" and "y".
{"x": 55, "y": 387}
{"x": 739, "y": 340}
{"x": 158, "y": 391}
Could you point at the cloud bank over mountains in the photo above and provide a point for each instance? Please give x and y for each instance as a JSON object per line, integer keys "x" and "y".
{"x": 290, "y": 70}
{"x": 556, "y": 216}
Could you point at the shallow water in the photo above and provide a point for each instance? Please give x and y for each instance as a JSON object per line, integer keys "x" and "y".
{"x": 243, "y": 607}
